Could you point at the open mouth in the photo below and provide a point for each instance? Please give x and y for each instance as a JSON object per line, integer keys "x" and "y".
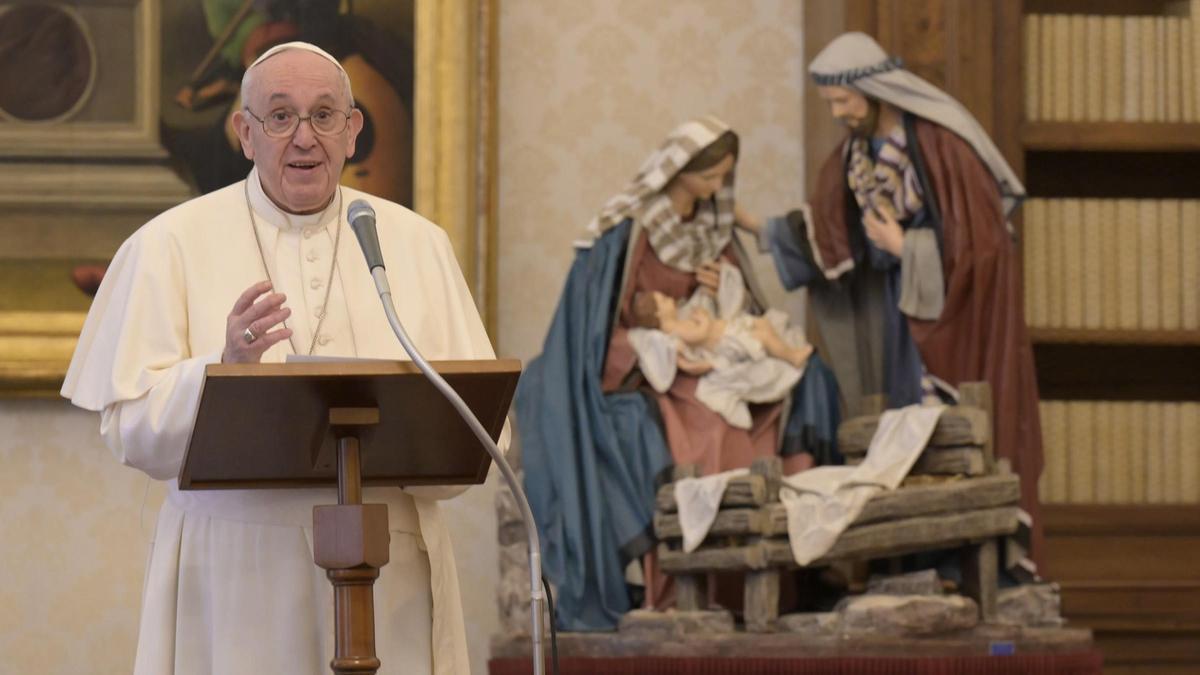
{"x": 303, "y": 166}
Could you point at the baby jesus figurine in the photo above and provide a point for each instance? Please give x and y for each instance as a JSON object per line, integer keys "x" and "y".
{"x": 740, "y": 358}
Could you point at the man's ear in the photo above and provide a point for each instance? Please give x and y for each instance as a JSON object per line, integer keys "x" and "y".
{"x": 241, "y": 126}
{"x": 354, "y": 126}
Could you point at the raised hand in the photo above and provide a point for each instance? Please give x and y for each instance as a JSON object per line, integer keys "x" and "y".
{"x": 248, "y": 331}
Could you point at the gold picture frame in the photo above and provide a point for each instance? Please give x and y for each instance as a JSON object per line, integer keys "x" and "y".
{"x": 98, "y": 184}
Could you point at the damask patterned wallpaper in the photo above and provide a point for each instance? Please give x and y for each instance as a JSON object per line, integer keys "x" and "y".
{"x": 587, "y": 89}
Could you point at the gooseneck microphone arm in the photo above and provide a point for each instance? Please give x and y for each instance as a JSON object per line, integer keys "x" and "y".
{"x": 362, "y": 221}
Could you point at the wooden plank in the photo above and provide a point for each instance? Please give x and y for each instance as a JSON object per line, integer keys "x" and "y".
{"x": 967, "y": 460}
{"x": 771, "y": 469}
{"x": 691, "y": 592}
{"x": 959, "y": 425}
{"x": 741, "y": 491}
{"x": 1140, "y": 136}
{"x": 1114, "y": 336}
{"x": 979, "y": 577}
{"x": 908, "y": 502}
{"x": 913, "y": 534}
{"x": 729, "y": 522}
{"x": 760, "y": 600}
{"x": 877, "y": 540}
{"x": 733, "y": 558}
{"x": 979, "y": 395}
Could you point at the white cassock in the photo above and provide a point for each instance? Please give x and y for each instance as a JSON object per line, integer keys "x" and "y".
{"x": 231, "y": 587}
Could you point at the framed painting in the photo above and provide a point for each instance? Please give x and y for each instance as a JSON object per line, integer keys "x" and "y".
{"x": 112, "y": 111}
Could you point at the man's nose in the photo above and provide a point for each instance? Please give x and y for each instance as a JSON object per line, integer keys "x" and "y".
{"x": 304, "y": 136}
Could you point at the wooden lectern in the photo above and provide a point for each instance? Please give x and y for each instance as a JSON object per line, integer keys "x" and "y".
{"x": 345, "y": 423}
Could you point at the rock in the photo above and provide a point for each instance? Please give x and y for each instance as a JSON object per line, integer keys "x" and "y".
{"x": 677, "y": 623}
{"x": 510, "y": 528}
{"x": 1029, "y": 605}
{"x": 512, "y": 592}
{"x": 809, "y": 623}
{"x": 924, "y": 582}
{"x": 903, "y": 615}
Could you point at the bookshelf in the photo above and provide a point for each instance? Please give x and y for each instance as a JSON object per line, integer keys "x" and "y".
{"x": 1126, "y": 567}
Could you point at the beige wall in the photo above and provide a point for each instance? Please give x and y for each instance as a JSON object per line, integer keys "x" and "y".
{"x": 587, "y": 89}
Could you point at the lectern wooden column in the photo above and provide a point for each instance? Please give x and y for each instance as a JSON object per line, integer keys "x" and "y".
{"x": 345, "y": 423}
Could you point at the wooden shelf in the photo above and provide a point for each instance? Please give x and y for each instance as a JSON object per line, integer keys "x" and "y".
{"x": 1124, "y": 136}
{"x": 1131, "y": 371}
{"x": 1114, "y": 337}
{"x": 1134, "y": 519}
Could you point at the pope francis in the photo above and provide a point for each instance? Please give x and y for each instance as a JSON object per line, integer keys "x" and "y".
{"x": 258, "y": 270}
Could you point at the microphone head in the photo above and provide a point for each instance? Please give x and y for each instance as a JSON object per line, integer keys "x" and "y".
{"x": 362, "y": 220}
{"x": 358, "y": 209}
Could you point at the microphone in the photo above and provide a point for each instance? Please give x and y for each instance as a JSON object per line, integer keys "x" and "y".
{"x": 362, "y": 221}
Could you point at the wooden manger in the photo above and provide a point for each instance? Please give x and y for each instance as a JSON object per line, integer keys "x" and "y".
{"x": 971, "y": 508}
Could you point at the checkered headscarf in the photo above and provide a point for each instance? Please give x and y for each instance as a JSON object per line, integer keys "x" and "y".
{"x": 684, "y": 246}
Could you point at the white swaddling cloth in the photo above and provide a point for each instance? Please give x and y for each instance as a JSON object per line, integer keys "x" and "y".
{"x": 822, "y": 502}
{"x": 698, "y": 501}
{"x": 742, "y": 372}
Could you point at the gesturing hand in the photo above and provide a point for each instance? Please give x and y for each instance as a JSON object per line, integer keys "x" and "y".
{"x": 248, "y": 331}
{"x": 884, "y": 231}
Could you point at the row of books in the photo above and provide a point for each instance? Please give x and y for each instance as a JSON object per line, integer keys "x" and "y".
{"x": 1112, "y": 264}
{"x": 1112, "y": 68}
{"x": 1107, "y": 452}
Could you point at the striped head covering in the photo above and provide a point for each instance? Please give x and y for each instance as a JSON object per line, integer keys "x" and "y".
{"x": 855, "y": 60}
{"x": 682, "y": 245}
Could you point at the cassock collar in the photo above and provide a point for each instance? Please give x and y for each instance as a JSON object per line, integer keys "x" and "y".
{"x": 266, "y": 209}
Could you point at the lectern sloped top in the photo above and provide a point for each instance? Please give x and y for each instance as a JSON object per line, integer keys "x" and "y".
{"x": 267, "y": 425}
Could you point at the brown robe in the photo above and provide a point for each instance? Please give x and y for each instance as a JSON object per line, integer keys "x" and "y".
{"x": 981, "y": 333}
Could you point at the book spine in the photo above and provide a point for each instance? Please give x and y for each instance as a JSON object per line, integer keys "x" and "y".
{"x": 1129, "y": 268}
{"x": 1189, "y": 263}
{"x": 1171, "y": 447}
{"x": 1122, "y": 453}
{"x": 1081, "y": 462}
{"x": 1155, "y": 489}
{"x": 1111, "y": 252}
{"x": 1036, "y": 269}
{"x": 1132, "y": 109}
{"x": 1140, "y": 451}
{"x": 1093, "y": 278}
{"x": 1104, "y": 456}
{"x": 1031, "y": 62}
{"x": 1189, "y": 453}
{"x": 1150, "y": 315}
{"x": 1170, "y": 263}
{"x": 1114, "y": 66}
{"x": 1073, "y": 246}
{"x": 1151, "y": 52}
{"x": 1172, "y": 70}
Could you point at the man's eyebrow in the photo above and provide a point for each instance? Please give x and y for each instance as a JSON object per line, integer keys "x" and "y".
{"x": 323, "y": 98}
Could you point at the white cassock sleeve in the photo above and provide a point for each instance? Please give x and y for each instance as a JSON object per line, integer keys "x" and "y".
{"x": 133, "y": 363}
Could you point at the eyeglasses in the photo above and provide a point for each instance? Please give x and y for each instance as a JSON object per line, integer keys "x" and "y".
{"x": 283, "y": 123}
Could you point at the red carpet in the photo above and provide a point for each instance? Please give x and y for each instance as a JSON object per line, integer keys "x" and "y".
{"x": 1088, "y": 663}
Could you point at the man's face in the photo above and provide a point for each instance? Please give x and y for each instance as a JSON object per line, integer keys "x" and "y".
{"x": 300, "y": 172}
{"x": 851, "y": 109}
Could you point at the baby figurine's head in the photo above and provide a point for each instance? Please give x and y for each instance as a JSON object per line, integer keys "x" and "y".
{"x": 652, "y": 309}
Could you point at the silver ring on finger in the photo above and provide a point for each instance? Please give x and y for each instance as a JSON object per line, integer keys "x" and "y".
{"x": 248, "y": 335}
